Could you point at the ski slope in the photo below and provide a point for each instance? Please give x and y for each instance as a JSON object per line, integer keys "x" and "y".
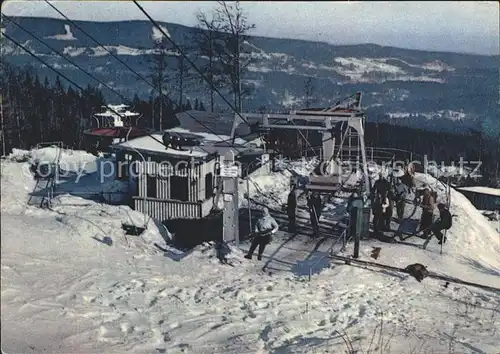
{"x": 72, "y": 281}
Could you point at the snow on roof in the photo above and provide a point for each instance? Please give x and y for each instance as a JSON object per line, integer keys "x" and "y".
{"x": 149, "y": 144}
{"x": 209, "y": 145}
{"x": 482, "y": 190}
{"x": 209, "y": 137}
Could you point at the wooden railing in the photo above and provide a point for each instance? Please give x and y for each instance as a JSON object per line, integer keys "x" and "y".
{"x": 165, "y": 209}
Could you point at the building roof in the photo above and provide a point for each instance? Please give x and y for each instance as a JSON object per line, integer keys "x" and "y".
{"x": 482, "y": 190}
{"x": 214, "y": 122}
{"x": 211, "y": 144}
{"x": 154, "y": 144}
{"x": 116, "y": 132}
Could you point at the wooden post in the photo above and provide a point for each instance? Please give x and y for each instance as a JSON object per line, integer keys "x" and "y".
{"x": 230, "y": 231}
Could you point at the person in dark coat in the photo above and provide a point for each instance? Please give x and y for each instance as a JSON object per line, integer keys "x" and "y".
{"x": 400, "y": 195}
{"x": 427, "y": 212}
{"x": 315, "y": 207}
{"x": 379, "y": 208}
{"x": 389, "y": 209}
{"x": 291, "y": 207}
{"x": 381, "y": 185}
{"x": 265, "y": 227}
{"x": 443, "y": 223}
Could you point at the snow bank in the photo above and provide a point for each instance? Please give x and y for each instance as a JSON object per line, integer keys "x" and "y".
{"x": 272, "y": 189}
{"x": 82, "y": 285}
{"x": 17, "y": 183}
{"x": 69, "y": 160}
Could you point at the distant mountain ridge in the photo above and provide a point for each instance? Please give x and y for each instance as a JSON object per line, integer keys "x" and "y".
{"x": 435, "y": 90}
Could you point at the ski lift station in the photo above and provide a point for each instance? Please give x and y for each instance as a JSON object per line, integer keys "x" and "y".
{"x": 180, "y": 181}
{"x": 342, "y": 124}
{"x": 179, "y": 173}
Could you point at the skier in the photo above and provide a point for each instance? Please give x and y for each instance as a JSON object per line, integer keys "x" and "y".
{"x": 427, "y": 212}
{"x": 264, "y": 228}
{"x": 443, "y": 223}
{"x": 291, "y": 207}
{"x": 315, "y": 207}
{"x": 400, "y": 194}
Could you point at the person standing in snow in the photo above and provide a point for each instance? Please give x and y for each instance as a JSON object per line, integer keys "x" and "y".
{"x": 379, "y": 207}
{"x": 389, "y": 208}
{"x": 400, "y": 195}
{"x": 443, "y": 223}
{"x": 291, "y": 207}
{"x": 264, "y": 228}
{"x": 427, "y": 212}
{"x": 315, "y": 207}
{"x": 381, "y": 185}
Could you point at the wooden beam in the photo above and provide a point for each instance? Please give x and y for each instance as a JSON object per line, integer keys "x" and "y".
{"x": 402, "y": 270}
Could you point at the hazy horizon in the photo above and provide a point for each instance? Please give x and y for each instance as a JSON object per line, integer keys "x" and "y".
{"x": 458, "y": 27}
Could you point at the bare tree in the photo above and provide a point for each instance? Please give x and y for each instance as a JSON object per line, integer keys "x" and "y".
{"x": 158, "y": 73}
{"x": 206, "y": 41}
{"x": 233, "y": 28}
{"x": 183, "y": 71}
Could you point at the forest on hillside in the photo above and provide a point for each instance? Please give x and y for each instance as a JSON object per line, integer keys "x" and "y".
{"x": 35, "y": 111}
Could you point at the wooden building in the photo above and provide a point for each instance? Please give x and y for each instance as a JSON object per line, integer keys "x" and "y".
{"x": 483, "y": 198}
{"x": 178, "y": 183}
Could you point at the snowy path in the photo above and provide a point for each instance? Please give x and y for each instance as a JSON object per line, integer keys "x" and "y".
{"x": 294, "y": 254}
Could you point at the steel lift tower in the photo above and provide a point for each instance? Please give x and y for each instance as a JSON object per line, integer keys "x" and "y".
{"x": 326, "y": 120}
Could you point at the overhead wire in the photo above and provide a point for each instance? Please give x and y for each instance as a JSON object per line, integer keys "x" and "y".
{"x": 163, "y": 96}
{"x": 80, "y": 87}
{"x": 65, "y": 57}
{"x": 181, "y": 52}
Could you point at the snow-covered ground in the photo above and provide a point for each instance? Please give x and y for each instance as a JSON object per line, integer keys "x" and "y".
{"x": 72, "y": 281}
{"x": 448, "y": 114}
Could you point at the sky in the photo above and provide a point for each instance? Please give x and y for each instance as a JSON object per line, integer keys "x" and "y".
{"x": 471, "y": 27}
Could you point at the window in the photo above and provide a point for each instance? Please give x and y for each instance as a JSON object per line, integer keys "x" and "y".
{"x": 209, "y": 185}
{"x": 179, "y": 188}
{"x": 151, "y": 186}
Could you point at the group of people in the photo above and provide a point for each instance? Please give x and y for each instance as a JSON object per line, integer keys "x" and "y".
{"x": 388, "y": 195}
{"x": 314, "y": 204}
{"x": 266, "y": 225}
{"x": 427, "y": 225}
